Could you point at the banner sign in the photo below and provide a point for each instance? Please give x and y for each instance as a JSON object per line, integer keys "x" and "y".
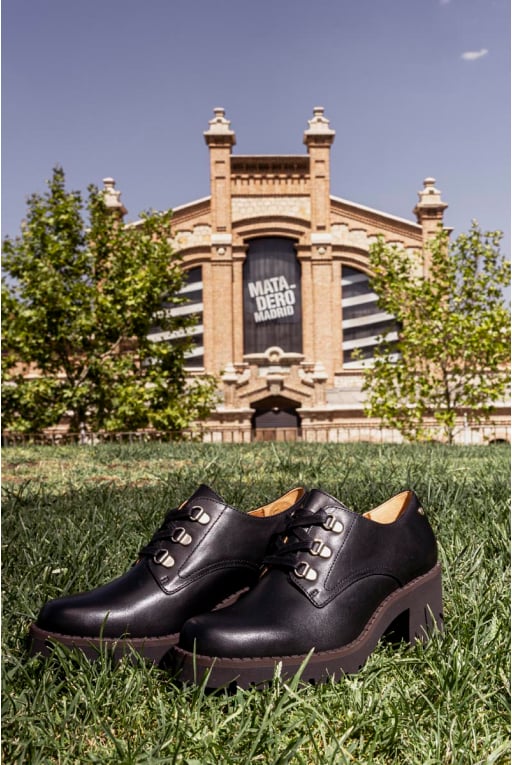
{"x": 272, "y": 298}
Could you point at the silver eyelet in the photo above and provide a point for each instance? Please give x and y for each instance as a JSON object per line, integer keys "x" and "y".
{"x": 181, "y": 536}
{"x": 304, "y": 571}
{"x": 331, "y": 523}
{"x": 321, "y": 549}
{"x": 163, "y": 558}
{"x": 198, "y": 514}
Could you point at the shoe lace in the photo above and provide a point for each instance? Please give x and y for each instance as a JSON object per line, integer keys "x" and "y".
{"x": 166, "y": 530}
{"x": 286, "y": 545}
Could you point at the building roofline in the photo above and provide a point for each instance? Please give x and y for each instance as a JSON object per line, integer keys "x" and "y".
{"x": 178, "y": 208}
{"x": 381, "y": 213}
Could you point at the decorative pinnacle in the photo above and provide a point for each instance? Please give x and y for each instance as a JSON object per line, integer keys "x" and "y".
{"x": 112, "y": 197}
{"x": 219, "y": 128}
{"x": 429, "y": 196}
{"x": 319, "y": 127}
{"x": 430, "y": 204}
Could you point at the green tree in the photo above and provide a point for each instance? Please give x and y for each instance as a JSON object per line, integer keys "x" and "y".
{"x": 78, "y": 304}
{"x": 453, "y": 351}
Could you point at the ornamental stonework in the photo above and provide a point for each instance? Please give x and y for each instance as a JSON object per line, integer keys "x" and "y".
{"x": 265, "y": 207}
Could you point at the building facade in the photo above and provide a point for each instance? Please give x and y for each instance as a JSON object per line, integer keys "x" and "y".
{"x": 278, "y": 276}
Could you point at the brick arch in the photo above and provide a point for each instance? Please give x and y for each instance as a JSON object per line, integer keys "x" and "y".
{"x": 275, "y": 226}
{"x": 354, "y": 258}
{"x": 192, "y": 258}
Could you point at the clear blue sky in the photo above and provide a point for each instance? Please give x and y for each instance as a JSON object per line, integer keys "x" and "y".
{"x": 125, "y": 88}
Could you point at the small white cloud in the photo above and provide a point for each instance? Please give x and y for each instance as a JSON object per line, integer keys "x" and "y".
{"x": 473, "y": 55}
{"x": 444, "y": 2}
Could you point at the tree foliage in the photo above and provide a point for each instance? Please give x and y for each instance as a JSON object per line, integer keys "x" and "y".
{"x": 78, "y": 304}
{"x": 453, "y": 352}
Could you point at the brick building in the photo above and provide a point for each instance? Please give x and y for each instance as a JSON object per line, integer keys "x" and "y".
{"x": 277, "y": 272}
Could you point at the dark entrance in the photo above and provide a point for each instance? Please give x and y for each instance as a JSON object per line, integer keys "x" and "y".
{"x": 275, "y": 418}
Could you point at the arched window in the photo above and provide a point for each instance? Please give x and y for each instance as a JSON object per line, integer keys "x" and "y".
{"x": 363, "y": 322}
{"x": 272, "y": 297}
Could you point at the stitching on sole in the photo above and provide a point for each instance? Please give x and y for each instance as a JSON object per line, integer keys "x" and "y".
{"x": 61, "y": 637}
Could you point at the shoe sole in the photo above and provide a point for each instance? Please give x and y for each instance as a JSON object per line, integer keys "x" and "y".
{"x": 44, "y": 642}
{"x": 411, "y": 613}
{"x": 154, "y": 649}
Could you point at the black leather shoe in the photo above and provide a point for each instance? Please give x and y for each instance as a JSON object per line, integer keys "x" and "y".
{"x": 204, "y": 553}
{"x": 336, "y": 582}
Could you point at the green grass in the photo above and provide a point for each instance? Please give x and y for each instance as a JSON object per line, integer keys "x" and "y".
{"x": 75, "y": 517}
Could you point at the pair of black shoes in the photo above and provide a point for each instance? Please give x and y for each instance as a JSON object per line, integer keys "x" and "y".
{"x": 238, "y": 593}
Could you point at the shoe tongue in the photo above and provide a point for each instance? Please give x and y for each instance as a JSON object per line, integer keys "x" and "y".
{"x": 204, "y": 492}
{"x": 317, "y": 499}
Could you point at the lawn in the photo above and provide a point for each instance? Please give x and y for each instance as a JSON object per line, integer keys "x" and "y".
{"x": 75, "y": 517}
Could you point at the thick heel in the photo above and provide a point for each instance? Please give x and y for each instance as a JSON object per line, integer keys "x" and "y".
{"x": 421, "y": 610}
{"x": 427, "y": 613}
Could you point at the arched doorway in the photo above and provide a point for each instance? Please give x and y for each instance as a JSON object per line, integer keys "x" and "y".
{"x": 275, "y": 418}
